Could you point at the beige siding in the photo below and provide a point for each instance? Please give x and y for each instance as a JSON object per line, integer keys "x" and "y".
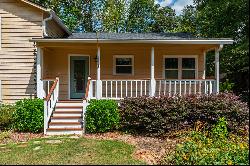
{"x": 56, "y": 60}
{"x": 20, "y": 22}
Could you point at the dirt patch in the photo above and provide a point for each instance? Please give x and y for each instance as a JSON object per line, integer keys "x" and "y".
{"x": 149, "y": 149}
{"x": 15, "y": 137}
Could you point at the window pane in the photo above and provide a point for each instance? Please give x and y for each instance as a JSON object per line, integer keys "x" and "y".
{"x": 171, "y": 74}
{"x": 124, "y": 69}
{"x": 188, "y": 74}
{"x": 123, "y": 61}
{"x": 171, "y": 63}
{"x": 188, "y": 63}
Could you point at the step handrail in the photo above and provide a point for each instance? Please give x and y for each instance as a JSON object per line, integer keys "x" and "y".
{"x": 50, "y": 102}
{"x": 87, "y": 89}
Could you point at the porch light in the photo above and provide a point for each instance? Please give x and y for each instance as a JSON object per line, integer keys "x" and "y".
{"x": 95, "y": 58}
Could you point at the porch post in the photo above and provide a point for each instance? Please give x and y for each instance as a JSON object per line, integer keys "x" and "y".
{"x": 217, "y": 69}
{"x": 152, "y": 73}
{"x": 39, "y": 82}
{"x": 98, "y": 75}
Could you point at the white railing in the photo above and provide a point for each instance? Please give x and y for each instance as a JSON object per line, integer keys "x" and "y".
{"x": 119, "y": 89}
{"x": 47, "y": 85}
{"x": 50, "y": 102}
{"x": 183, "y": 87}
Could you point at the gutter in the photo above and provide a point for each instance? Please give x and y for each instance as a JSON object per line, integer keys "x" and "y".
{"x": 57, "y": 20}
{"x": 45, "y": 34}
{"x": 221, "y": 42}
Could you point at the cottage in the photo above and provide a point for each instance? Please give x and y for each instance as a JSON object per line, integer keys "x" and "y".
{"x": 72, "y": 68}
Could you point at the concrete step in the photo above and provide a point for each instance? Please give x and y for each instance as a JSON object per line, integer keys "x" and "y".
{"x": 69, "y": 108}
{"x": 64, "y": 131}
{"x": 69, "y": 114}
{"x": 66, "y": 119}
{"x": 69, "y": 104}
{"x": 65, "y": 126}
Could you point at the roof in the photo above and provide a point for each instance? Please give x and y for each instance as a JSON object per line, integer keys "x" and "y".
{"x": 49, "y": 11}
{"x": 164, "y": 38}
{"x": 140, "y": 36}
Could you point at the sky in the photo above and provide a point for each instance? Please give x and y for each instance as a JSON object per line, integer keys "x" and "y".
{"x": 177, "y": 5}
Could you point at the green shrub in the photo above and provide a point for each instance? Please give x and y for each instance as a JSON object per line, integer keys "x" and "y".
{"x": 215, "y": 148}
{"x": 28, "y": 116}
{"x": 6, "y": 119}
{"x": 102, "y": 116}
{"x": 156, "y": 116}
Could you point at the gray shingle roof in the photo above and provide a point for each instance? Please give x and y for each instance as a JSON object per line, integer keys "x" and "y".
{"x": 132, "y": 36}
{"x": 137, "y": 36}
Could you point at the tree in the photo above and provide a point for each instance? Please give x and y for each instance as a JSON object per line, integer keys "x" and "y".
{"x": 140, "y": 16}
{"x": 164, "y": 19}
{"x": 114, "y": 16}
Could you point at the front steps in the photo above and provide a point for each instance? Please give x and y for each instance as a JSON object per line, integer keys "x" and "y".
{"x": 67, "y": 118}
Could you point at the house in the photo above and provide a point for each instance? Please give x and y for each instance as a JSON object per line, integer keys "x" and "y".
{"x": 72, "y": 68}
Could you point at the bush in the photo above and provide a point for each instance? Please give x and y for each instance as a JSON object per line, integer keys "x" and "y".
{"x": 215, "y": 148}
{"x": 6, "y": 119}
{"x": 29, "y": 115}
{"x": 102, "y": 116}
{"x": 157, "y": 116}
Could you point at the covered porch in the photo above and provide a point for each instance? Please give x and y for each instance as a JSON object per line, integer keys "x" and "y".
{"x": 118, "y": 70}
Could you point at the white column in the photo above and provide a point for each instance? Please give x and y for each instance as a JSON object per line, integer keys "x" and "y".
{"x": 204, "y": 65}
{"x": 39, "y": 82}
{"x": 152, "y": 73}
{"x": 98, "y": 75}
{"x": 217, "y": 71}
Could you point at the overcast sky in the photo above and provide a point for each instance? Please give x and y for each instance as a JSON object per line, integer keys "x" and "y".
{"x": 177, "y": 5}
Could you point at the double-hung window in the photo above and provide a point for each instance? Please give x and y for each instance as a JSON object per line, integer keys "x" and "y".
{"x": 123, "y": 65}
{"x": 180, "y": 67}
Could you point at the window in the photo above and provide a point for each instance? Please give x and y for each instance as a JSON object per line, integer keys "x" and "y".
{"x": 180, "y": 67}
{"x": 123, "y": 64}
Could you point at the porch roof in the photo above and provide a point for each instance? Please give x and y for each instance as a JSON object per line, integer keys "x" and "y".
{"x": 167, "y": 38}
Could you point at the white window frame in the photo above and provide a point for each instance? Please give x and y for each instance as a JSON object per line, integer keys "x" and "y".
{"x": 122, "y": 56}
{"x": 180, "y": 65}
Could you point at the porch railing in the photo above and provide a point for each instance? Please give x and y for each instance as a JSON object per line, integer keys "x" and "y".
{"x": 118, "y": 89}
{"x": 50, "y": 102}
{"x": 183, "y": 87}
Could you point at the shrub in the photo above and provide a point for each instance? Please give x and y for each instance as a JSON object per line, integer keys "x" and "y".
{"x": 206, "y": 149}
{"x": 28, "y": 116}
{"x": 102, "y": 116}
{"x": 157, "y": 116}
{"x": 6, "y": 119}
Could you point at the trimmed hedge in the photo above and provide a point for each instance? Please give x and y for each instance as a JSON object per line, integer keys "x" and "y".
{"x": 28, "y": 116}
{"x": 158, "y": 116}
{"x": 6, "y": 118}
{"x": 102, "y": 116}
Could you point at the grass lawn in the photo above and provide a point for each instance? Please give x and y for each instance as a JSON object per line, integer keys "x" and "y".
{"x": 66, "y": 150}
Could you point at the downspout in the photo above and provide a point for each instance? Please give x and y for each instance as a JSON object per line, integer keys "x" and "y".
{"x": 44, "y": 24}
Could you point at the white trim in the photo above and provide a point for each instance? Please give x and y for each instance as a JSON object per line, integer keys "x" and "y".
{"x": 1, "y": 98}
{"x": 123, "y": 56}
{"x": 212, "y": 41}
{"x": 180, "y": 64}
{"x": 74, "y": 55}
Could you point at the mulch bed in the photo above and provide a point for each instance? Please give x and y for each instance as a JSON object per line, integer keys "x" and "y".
{"x": 16, "y": 137}
{"x": 151, "y": 150}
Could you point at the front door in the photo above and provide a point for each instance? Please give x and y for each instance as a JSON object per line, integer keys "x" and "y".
{"x": 79, "y": 66}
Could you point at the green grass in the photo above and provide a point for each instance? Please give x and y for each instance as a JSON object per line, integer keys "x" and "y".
{"x": 70, "y": 151}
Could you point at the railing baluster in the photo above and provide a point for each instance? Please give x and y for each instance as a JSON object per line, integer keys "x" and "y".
{"x": 180, "y": 87}
{"x": 205, "y": 84}
{"x": 126, "y": 88}
{"x": 165, "y": 86}
{"x": 195, "y": 91}
{"x": 174, "y": 87}
{"x": 135, "y": 88}
{"x": 170, "y": 88}
{"x": 121, "y": 89}
{"x": 116, "y": 89}
{"x": 190, "y": 86}
{"x": 111, "y": 89}
{"x": 131, "y": 90}
{"x": 200, "y": 87}
{"x": 141, "y": 88}
{"x": 210, "y": 87}
{"x": 145, "y": 87}
{"x": 106, "y": 82}
{"x": 185, "y": 87}
{"x": 160, "y": 88}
